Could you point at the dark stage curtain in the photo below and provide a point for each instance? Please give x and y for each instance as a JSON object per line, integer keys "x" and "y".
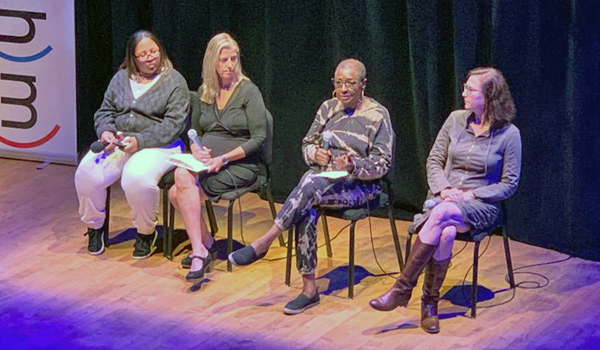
{"x": 417, "y": 55}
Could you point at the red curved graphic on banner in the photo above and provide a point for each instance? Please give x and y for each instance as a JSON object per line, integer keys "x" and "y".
{"x": 32, "y": 144}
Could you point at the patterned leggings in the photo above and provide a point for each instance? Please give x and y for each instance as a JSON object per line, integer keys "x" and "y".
{"x": 311, "y": 193}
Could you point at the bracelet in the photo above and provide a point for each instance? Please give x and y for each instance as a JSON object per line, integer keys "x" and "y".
{"x": 224, "y": 160}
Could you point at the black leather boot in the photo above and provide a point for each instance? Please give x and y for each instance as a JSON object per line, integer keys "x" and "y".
{"x": 401, "y": 291}
{"x": 434, "y": 278}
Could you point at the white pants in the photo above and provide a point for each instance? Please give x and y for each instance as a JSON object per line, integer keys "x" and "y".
{"x": 140, "y": 174}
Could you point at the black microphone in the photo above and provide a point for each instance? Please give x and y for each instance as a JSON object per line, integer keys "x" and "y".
{"x": 99, "y": 146}
{"x": 193, "y": 135}
{"x": 430, "y": 203}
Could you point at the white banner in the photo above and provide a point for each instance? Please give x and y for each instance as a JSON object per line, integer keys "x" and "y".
{"x": 37, "y": 80}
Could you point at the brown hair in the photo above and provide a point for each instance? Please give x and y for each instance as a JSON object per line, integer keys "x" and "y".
{"x": 130, "y": 63}
{"x": 498, "y": 106}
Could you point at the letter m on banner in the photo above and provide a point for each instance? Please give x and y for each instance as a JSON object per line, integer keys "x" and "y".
{"x": 37, "y": 80}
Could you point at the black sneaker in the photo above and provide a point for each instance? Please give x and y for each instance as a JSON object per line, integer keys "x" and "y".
{"x": 301, "y": 303}
{"x": 96, "y": 244}
{"x": 144, "y": 245}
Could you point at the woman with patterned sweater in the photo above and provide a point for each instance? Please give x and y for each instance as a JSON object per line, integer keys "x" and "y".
{"x": 359, "y": 138}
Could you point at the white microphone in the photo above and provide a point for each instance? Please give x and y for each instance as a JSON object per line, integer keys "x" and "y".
{"x": 193, "y": 135}
{"x": 430, "y": 203}
{"x": 326, "y": 139}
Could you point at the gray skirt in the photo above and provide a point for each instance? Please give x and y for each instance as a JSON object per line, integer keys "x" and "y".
{"x": 229, "y": 179}
{"x": 481, "y": 216}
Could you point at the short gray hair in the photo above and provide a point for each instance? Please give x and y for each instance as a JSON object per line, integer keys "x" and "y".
{"x": 355, "y": 64}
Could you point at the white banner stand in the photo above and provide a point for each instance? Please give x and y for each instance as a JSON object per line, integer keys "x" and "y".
{"x": 38, "y": 114}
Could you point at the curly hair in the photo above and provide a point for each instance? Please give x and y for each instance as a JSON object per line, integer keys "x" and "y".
{"x": 499, "y": 107}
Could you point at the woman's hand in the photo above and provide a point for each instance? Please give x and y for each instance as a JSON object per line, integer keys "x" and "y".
{"x": 132, "y": 145}
{"x": 201, "y": 154}
{"x": 322, "y": 156}
{"x": 343, "y": 162}
{"x": 469, "y": 196}
{"x": 109, "y": 139}
{"x": 454, "y": 194}
{"x": 451, "y": 194}
{"x": 214, "y": 164}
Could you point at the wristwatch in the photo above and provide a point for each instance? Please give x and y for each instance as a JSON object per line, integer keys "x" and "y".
{"x": 224, "y": 160}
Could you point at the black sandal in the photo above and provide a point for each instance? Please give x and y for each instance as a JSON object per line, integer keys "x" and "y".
{"x": 186, "y": 262}
{"x": 207, "y": 264}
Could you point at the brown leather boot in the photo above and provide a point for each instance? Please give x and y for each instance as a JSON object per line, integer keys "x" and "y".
{"x": 434, "y": 278}
{"x": 401, "y": 291}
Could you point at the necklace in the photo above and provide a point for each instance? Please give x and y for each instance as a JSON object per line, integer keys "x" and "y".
{"x": 228, "y": 87}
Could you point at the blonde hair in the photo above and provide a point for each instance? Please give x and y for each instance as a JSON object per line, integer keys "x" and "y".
{"x": 210, "y": 77}
{"x": 130, "y": 63}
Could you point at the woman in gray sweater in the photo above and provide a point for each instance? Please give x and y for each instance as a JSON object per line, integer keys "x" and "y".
{"x": 140, "y": 119}
{"x": 474, "y": 164}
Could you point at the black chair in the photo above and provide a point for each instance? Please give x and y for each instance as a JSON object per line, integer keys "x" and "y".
{"x": 261, "y": 185}
{"x": 164, "y": 185}
{"x": 384, "y": 201}
{"x": 466, "y": 237}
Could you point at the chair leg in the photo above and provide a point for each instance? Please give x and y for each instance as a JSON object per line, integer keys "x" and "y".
{"x": 326, "y": 235}
{"x": 396, "y": 239}
{"x": 107, "y": 217}
{"x": 288, "y": 259}
{"x": 351, "y": 261}
{"x": 165, "y": 207}
{"x": 229, "y": 232}
{"x": 170, "y": 231}
{"x": 212, "y": 221}
{"x": 474, "y": 283}
{"x": 511, "y": 275}
{"x": 274, "y": 212}
{"x": 408, "y": 246}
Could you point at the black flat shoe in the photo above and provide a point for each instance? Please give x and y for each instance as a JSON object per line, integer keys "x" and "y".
{"x": 245, "y": 256}
{"x": 206, "y": 267}
{"x": 186, "y": 262}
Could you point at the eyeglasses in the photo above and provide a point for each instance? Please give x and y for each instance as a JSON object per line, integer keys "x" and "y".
{"x": 146, "y": 56}
{"x": 350, "y": 84}
{"x": 469, "y": 89}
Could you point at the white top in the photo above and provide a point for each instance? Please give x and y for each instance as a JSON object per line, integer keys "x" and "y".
{"x": 139, "y": 89}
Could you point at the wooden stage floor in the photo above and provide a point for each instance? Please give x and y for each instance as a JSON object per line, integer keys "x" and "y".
{"x": 53, "y": 295}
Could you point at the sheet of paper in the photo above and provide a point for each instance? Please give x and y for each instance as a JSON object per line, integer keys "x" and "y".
{"x": 332, "y": 174}
{"x": 187, "y": 161}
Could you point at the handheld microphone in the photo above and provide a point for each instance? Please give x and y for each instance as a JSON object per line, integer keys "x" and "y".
{"x": 430, "y": 203}
{"x": 193, "y": 135}
{"x": 99, "y": 146}
{"x": 326, "y": 139}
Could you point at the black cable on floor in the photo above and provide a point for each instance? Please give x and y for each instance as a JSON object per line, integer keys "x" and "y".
{"x": 321, "y": 246}
{"x": 522, "y": 284}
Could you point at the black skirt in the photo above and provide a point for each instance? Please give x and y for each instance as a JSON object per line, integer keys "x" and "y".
{"x": 230, "y": 178}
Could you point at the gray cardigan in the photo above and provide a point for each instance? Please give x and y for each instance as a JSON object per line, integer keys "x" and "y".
{"x": 155, "y": 119}
{"x": 488, "y": 165}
